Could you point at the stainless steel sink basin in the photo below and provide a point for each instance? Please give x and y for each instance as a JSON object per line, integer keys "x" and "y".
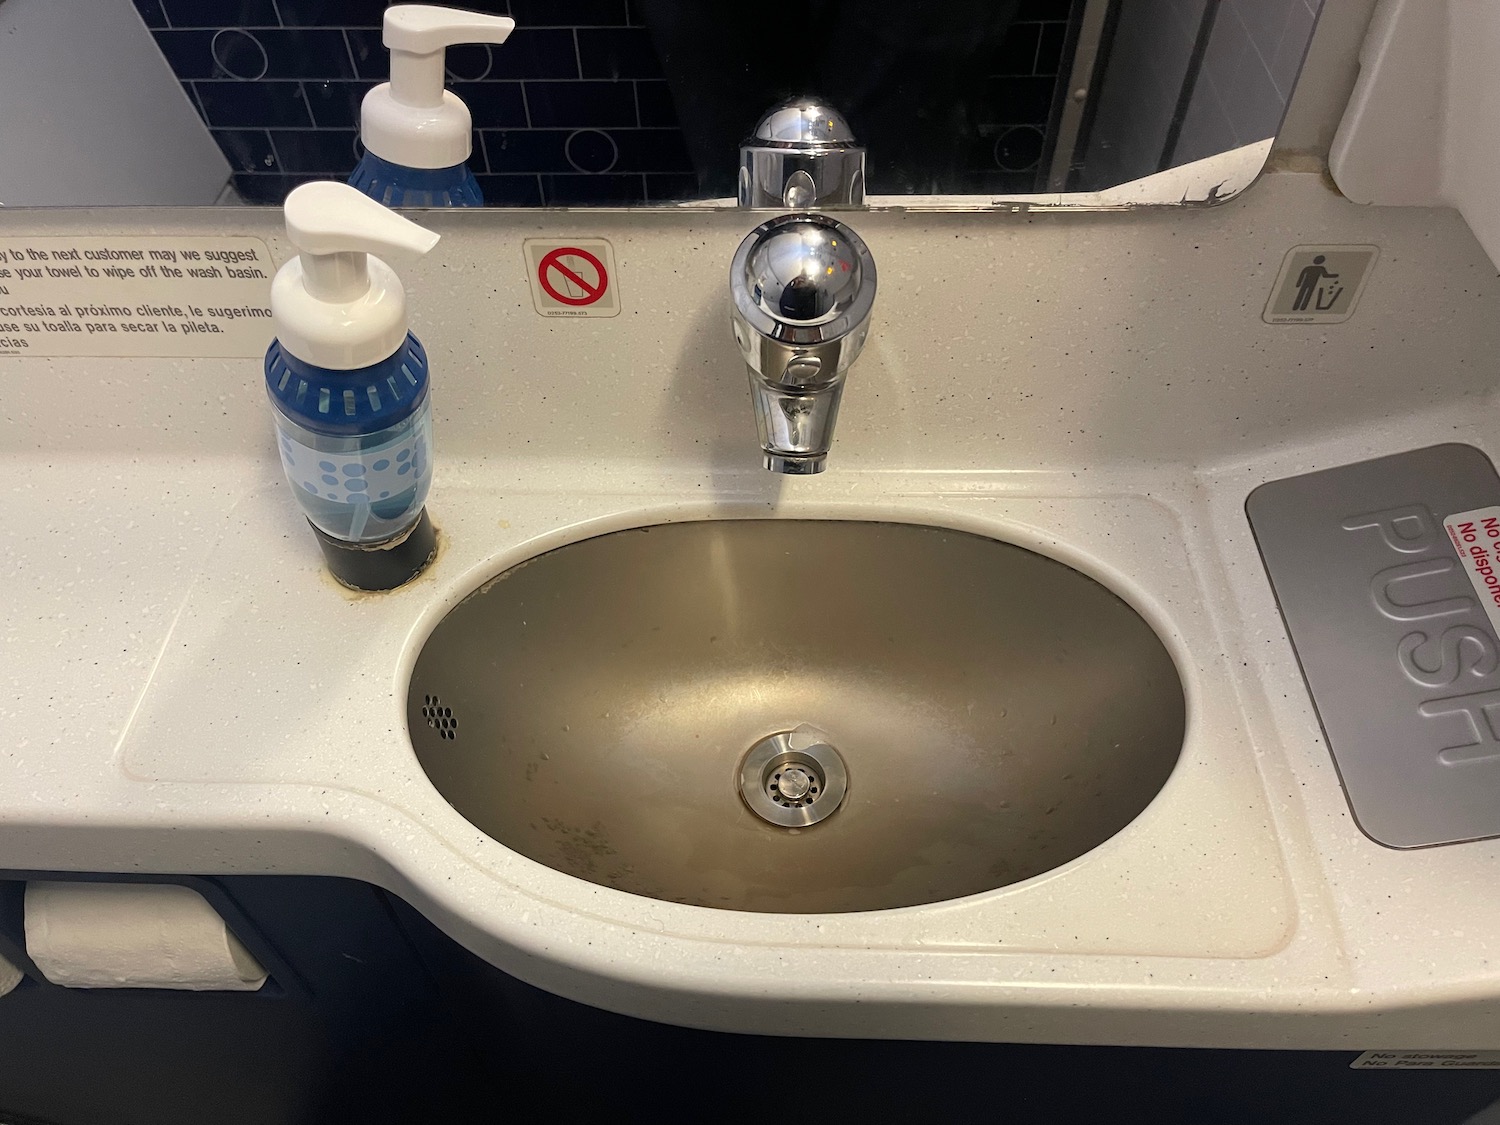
{"x": 790, "y": 715}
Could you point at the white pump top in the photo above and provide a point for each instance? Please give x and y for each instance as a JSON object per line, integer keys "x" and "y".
{"x": 336, "y": 305}
{"x": 411, "y": 120}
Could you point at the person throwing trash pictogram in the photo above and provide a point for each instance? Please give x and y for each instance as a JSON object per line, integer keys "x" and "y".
{"x": 1309, "y": 280}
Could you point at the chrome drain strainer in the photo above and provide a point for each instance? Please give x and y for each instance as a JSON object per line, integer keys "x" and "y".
{"x": 794, "y": 778}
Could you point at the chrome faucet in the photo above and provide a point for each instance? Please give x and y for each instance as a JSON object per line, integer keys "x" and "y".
{"x": 802, "y": 285}
{"x": 801, "y": 289}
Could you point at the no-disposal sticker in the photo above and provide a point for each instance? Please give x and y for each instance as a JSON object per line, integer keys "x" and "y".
{"x": 573, "y": 278}
{"x": 1476, "y": 538}
{"x": 1427, "y": 1060}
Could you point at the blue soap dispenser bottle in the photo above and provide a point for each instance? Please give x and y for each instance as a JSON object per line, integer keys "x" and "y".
{"x": 417, "y": 135}
{"x": 349, "y": 388}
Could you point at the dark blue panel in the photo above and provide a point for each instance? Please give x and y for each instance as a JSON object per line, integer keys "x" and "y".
{"x": 526, "y": 150}
{"x": 651, "y": 150}
{"x": 328, "y": 152}
{"x": 251, "y": 104}
{"x": 1044, "y": 9}
{"x": 568, "y": 13}
{"x": 1019, "y": 149}
{"x": 247, "y": 150}
{"x": 510, "y": 191}
{"x": 271, "y": 53}
{"x": 221, "y": 13}
{"x": 563, "y": 191}
{"x": 306, "y": 54}
{"x": 543, "y": 53}
{"x": 1021, "y": 101}
{"x": 335, "y": 105}
{"x": 625, "y": 52}
{"x": 578, "y": 105}
{"x": 470, "y": 62}
{"x": 672, "y": 188}
{"x": 370, "y": 57}
{"x": 494, "y": 105}
{"x": 188, "y": 53}
{"x": 592, "y": 151}
{"x": 656, "y": 104}
{"x": 1018, "y": 50}
{"x": 338, "y": 13}
{"x": 1049, "y": 54}
{"x": 151, "y": 12}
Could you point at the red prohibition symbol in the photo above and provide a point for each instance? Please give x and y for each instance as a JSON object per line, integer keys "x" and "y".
{"x": 553, "y": 260}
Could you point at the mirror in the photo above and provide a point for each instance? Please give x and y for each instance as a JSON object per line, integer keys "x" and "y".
{"x": 643, "y": 102}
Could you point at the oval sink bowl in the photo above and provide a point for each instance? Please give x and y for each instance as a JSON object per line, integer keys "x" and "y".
{"x": 792, "y": 715}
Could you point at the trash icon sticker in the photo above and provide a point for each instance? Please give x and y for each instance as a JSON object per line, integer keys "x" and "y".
{"x": 1320, "y": 284}
{"x": 574, "y": 278}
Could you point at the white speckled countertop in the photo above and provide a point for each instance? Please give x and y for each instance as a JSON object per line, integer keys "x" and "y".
{"x": 182, "y": 689}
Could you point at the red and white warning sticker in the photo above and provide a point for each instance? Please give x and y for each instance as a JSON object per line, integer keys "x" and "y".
{"x": 573, "y": 278}
{"x": 1476, "y": 538}
{"x": 1428, "y": 1060}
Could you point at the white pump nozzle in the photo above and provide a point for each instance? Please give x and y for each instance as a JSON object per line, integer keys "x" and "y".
{"x": 336, "y": 305}
{"x": 411, "y": 120}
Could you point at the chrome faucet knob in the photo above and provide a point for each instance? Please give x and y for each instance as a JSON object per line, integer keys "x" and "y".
{"x": 801, "y": 290}
{"x": 802, "y": 155}
{"x": 807, "y": 276}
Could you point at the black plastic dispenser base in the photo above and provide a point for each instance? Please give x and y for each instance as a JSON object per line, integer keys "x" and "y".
{"x": 384, "y": 565}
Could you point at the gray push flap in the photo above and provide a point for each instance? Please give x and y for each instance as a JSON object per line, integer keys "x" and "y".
{"x": 1386, "y": 576}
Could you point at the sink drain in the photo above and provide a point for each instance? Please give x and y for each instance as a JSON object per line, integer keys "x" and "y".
{"x": 794, "y": 778}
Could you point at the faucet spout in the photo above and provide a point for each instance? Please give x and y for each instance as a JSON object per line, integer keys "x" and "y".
{"x": 801, "y": 288}
{"x": 796, "y": 428}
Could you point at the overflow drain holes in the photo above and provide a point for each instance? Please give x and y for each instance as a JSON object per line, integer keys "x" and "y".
{"x": 439, "y": 717}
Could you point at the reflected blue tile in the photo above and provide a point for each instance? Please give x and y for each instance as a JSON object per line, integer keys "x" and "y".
{"x": 247, "y": 150}
{"x": 510, "y": 191}
{"x": 264, "y": 104}
{"x": 576, "y": 105}
{"x": 651, "y": 150}
{"x": 568, "y": 190}
{"x": 151, "y": 12}
{"x": 656, "y": 104}
{"x": 328, "y": 152}
{"x": 221, "y": 13}
{"x": 625, "y": 52}
{"x": 335, "y": 104}
{"x": 526, "y": 150}
{"x": 569, "y": 13}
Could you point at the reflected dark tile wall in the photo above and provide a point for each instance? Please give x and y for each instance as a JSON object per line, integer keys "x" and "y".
{"x": 573, "y": 109}
{"x": 1021, "y": 93}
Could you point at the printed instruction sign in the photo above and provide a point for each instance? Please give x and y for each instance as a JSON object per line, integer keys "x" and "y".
{"x": 572, "y": 278}
{"x": 1476, "y": 538}
{"x": 1320, "y": 284}
{"x": 1427, "y": 1060}
{"x": 190, "y": 297}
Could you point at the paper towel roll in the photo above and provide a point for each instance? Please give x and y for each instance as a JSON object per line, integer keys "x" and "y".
{"x": 10, "y": 976}
{"x": 134, "y": 935}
